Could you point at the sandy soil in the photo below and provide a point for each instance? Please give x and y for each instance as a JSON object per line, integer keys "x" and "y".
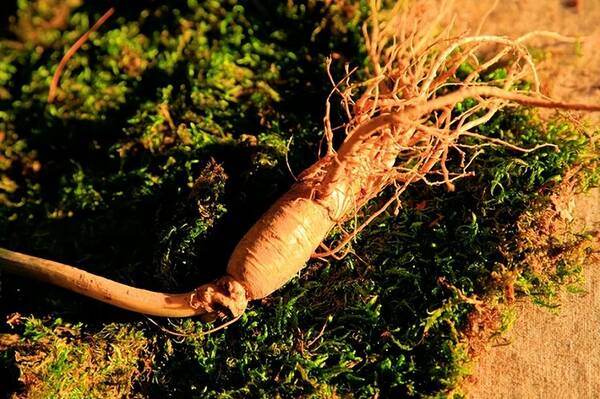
{"x": 550, "y": 354}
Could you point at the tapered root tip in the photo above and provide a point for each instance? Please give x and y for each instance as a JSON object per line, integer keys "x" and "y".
{"x": 225, "y": 293}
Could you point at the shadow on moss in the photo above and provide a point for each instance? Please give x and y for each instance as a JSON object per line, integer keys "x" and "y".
{"x": 168, "y": 139}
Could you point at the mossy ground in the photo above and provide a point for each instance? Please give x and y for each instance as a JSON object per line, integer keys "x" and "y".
{"x": 168, "y": 139}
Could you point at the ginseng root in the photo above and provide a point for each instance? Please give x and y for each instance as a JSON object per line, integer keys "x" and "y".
{"x": 403, "y": 125}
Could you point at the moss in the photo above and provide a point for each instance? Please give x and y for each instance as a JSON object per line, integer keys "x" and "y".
{"x": 39, "y": 23}
{"x": 57, "y": 361}
{"x": 170, "y": 135}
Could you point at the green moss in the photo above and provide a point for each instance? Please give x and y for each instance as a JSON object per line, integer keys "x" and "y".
{"x": 39, "y": 23}
{"x": 168, "y": 138}
{"x": 56, "y": 361}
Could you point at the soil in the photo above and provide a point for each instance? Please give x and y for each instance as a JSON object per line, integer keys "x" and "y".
{"x": 549, "y": 353}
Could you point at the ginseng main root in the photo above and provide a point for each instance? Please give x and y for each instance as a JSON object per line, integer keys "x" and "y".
{"x": 403, "y": 126}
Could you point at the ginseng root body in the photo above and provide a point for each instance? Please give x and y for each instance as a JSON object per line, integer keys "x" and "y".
{"x": 286, "y": 236}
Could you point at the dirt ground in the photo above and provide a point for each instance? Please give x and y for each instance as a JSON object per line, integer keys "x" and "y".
{"x": 550, "y": 354}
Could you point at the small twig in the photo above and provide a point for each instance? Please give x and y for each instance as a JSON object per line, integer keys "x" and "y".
{"x": 72, "y": 50}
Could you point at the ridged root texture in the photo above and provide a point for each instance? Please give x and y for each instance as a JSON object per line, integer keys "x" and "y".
{"x": 278, "y": 246}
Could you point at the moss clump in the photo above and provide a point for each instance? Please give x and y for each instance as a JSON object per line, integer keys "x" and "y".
{"x": 57, "y": 360}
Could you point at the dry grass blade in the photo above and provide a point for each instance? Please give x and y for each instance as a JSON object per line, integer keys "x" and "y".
{"x": 72, "y": 50}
